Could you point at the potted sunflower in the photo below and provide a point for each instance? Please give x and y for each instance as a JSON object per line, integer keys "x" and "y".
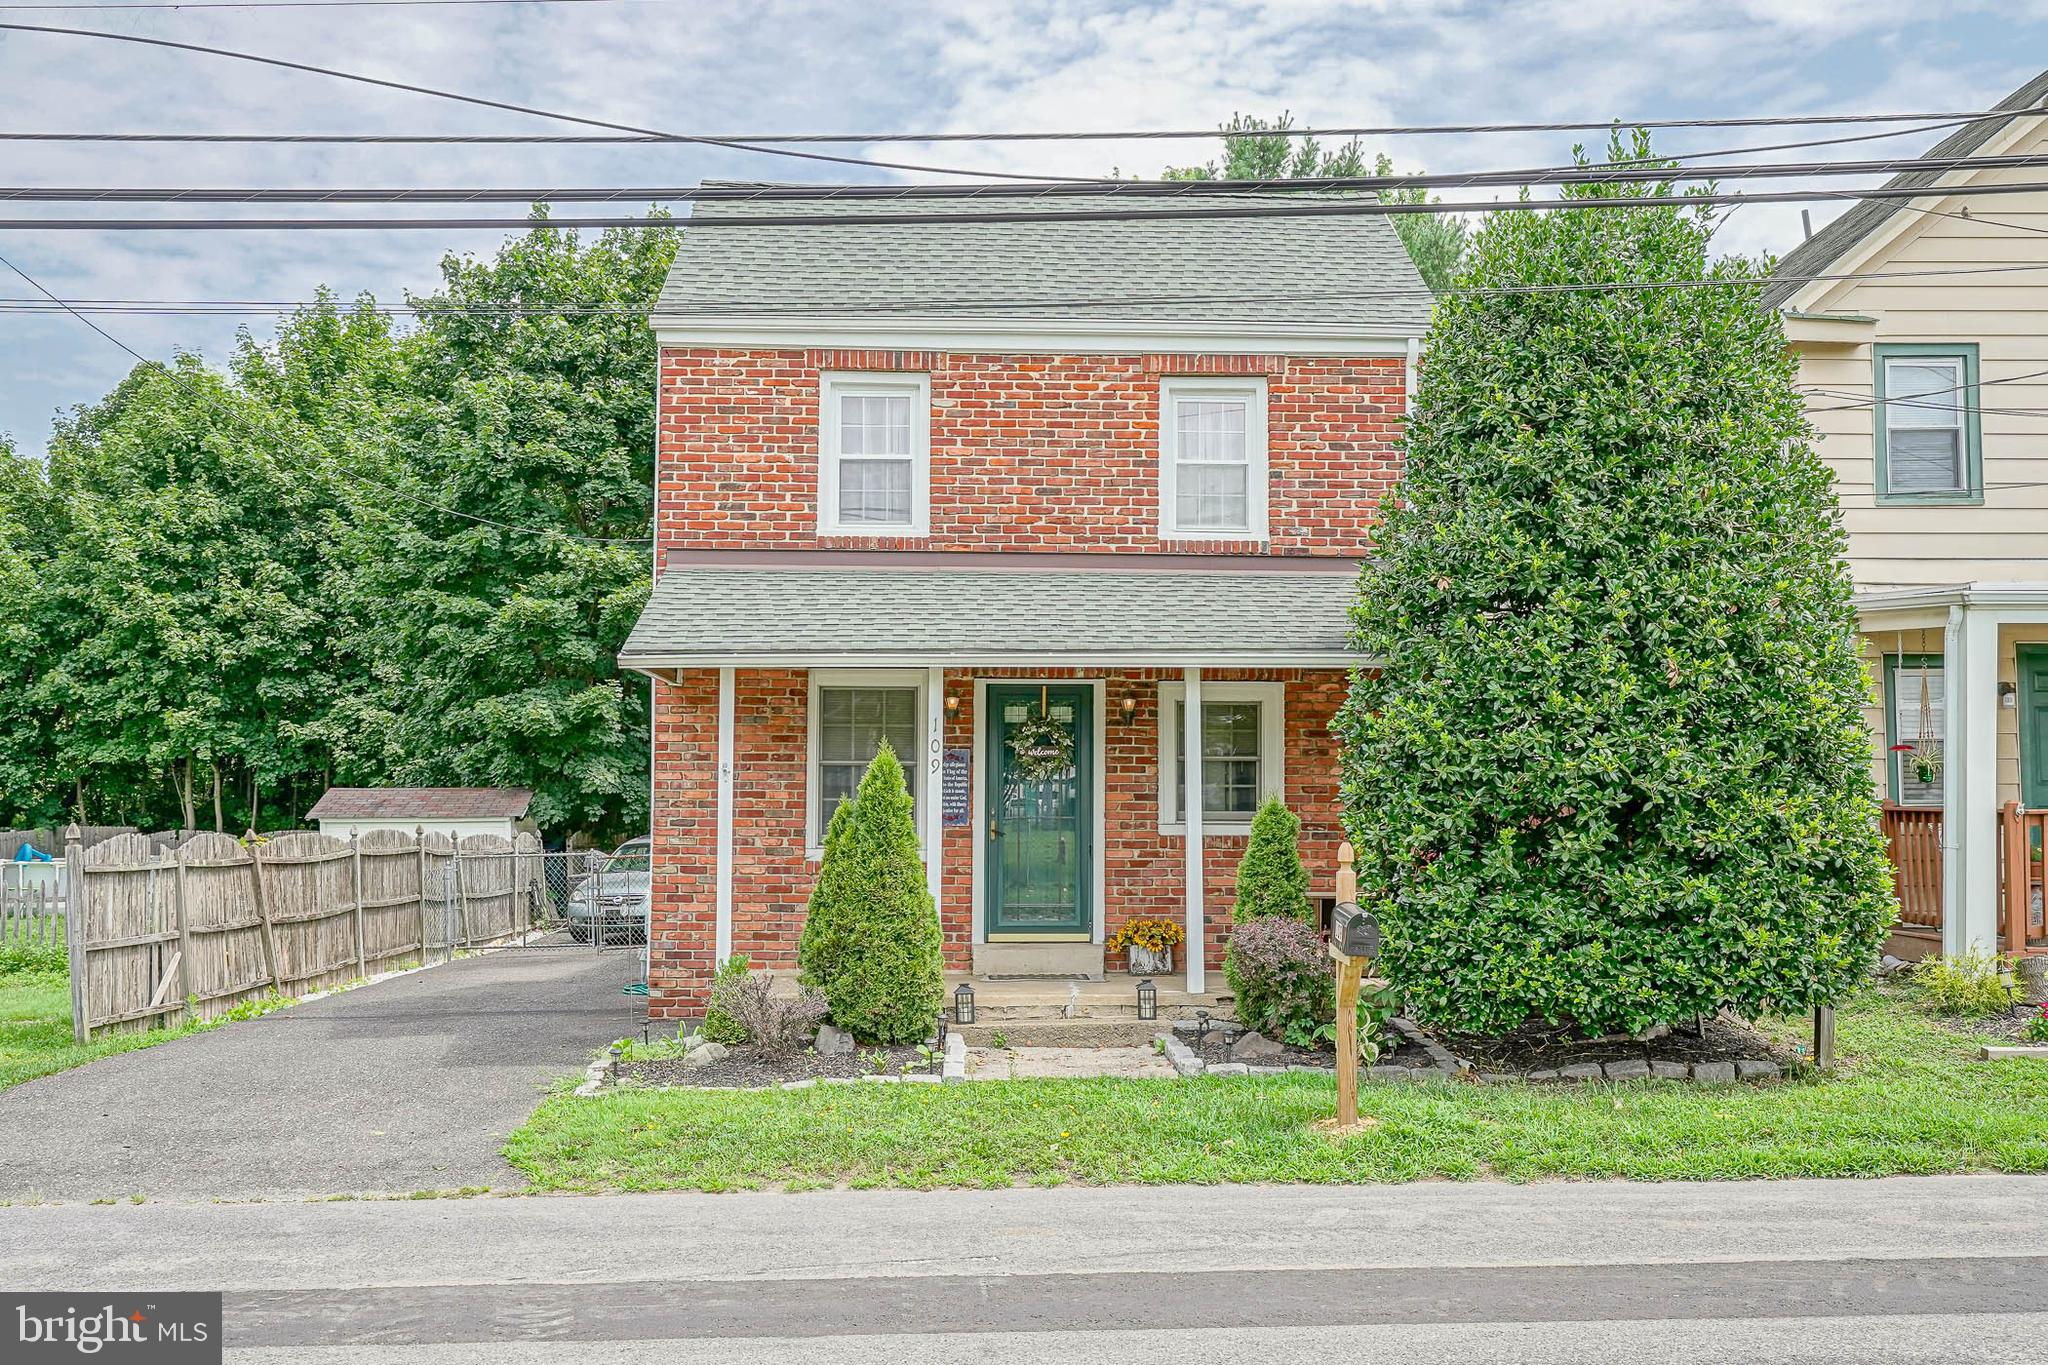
{"x": 1149, "y": 943}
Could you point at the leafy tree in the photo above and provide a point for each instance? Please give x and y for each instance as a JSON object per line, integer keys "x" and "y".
{"x": 1270, "y": 878}
{"x": 1612, "y": 769}
{"x": 1263, "y": 149}
{"x": 877, "y": 956}
{"x": 31, "y": 792}
{"x": 507, "y": 558}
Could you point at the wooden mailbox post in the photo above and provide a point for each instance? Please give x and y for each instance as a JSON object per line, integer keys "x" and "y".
{"x": 1354, "y": 941}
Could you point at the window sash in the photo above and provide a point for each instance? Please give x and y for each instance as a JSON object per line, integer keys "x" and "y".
{"x": 1213, "y": 459}
{"x": 1924, "y": 417}
{"x": 873, "y": 441}
{"x": 1909, "y": 790}
{"x": 851, "y": 722}
{"x": 1233, "y": 764}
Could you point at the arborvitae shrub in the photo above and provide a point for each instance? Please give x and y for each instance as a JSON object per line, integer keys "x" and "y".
{"x": 1270, "y": 877}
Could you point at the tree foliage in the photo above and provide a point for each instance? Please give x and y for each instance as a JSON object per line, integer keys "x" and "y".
{"x": 871, "y": 944}
{"x": 1263, "y": 149}
{"x": 1611, "y": 769}
{"x": 361, "y": 554}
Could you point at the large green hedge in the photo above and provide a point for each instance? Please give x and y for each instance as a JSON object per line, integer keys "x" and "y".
{"x": 1612, "y": 770}
{"x": 871, "y": 941}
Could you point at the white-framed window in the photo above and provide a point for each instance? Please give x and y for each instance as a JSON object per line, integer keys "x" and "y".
{"x": 851, "y": 712}
{"x": 1243, "y": 752}
{"x": 874, "y": 454}
{"x": 1918, "y": 700}
{"x": 1212, "y": 459}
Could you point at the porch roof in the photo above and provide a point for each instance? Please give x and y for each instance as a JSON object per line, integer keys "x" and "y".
{"x": 912, "y": 609}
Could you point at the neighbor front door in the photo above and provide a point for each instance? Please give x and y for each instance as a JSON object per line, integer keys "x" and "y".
{"x": 2033, "y": 708}
{"x": 1040, "y": 831}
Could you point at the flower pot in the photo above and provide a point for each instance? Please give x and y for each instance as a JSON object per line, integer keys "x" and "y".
{"x": 1146, "y": 962}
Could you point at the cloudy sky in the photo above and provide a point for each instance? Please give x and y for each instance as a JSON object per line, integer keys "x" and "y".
{"x": 740, "y": 66}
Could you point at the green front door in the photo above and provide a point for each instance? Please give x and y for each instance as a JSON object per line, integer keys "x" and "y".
{"x": 2033, "y": 701}
{"x": 1040, "y": 754}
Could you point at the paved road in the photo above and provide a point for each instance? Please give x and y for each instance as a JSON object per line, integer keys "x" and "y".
{"x": 408, "y": 1084}
{"x": 1936, "y": 1270}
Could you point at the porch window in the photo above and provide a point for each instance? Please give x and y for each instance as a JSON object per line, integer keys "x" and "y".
{"x": 1905, "y": 724}
{"x": 849, "y": 721}
{"x": 1241, "y": 751}
{"x": 1212, "y": 480}
{"x": 1927, "y": 428}
{"x": 874, "y": 443}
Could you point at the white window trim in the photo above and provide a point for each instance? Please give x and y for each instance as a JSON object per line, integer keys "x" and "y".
{"x": 1253, "y": 391}
{"x": 1272, "y": 699}
{"x": 908, "y": 678}
{"x": 918, "y": 387}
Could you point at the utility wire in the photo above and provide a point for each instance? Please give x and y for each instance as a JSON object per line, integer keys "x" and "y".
{"x": 1321, "y": 208}
{"x": 1055, "y": 190}
{"x": 507, "y": 106}
{"x": 291, "y": 4}
{"x": 177, "y": 377}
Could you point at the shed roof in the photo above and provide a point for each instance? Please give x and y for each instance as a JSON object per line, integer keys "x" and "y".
{"x": 1347, "y": 270}
{"x": 421, "y": 803}
{"x": 1865, "y": 216}
{"x": 972, "y": 609}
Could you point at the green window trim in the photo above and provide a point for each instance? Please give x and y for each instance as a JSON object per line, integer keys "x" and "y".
{"x": 1973, "y": 436}
{"x": 1892, "y": 664}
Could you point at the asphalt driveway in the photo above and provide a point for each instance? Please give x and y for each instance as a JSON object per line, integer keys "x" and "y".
{"x": 409, "y": 1084}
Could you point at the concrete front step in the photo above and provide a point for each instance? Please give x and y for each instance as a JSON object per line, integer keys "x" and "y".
{"x": 1062, "y": 1032}
{"x": 1039, "y": 961}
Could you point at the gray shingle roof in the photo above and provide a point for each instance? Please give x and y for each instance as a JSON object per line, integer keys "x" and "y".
{"x": 1306, "y": 270}
{"x": 824, "y": 616}
{"x": 421, "y": 803}
{"x": 1831, "y": 243}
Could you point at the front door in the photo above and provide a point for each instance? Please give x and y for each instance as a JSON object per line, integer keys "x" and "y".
{"x": 1039, "y": 851}
{"x": 2033, "y": 705}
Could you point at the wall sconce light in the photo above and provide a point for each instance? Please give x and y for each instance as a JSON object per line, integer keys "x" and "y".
{"x": 2008, "y": 696}
{"x": 1148, "y": 1000}
{"x": 1127, "y": 709}
{"x": 952, "y": 706}
{"x": 963, "y": 1004}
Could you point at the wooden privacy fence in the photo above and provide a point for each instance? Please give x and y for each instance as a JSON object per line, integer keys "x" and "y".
{"x": 160, "y": 936}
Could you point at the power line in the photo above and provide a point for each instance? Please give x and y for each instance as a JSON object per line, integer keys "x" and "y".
{"x": 1360, "y": 207}
{"x": 1051, "y": 190}
{"x": 178, "y": 378}
{"x": 287, "y": 4}
{"x": 505, "y": 105}
{"x": 1932, "y": 122}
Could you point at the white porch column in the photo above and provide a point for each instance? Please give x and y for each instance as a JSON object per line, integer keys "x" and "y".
{"x": 934, "y": 783}
{"x": 1191, "y": 750}
{"x": 1969, "y": 806}
{"x": 722, "y": 934}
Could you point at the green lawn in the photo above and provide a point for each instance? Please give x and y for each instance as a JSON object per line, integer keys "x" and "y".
{"x": 1908, "y": 1098}
{"x": 35, "y": 1030}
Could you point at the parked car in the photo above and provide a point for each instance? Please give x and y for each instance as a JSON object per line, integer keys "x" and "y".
{"x": 611, "y": 903}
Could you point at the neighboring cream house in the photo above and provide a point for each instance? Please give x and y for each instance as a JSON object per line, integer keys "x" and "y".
{"x": 1926, "y": 374}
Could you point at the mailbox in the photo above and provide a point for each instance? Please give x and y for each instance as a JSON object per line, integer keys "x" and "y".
{"x": 1354, "y": 932}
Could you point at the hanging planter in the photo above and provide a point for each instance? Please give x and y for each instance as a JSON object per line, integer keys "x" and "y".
{"x": 1042, "y": 749}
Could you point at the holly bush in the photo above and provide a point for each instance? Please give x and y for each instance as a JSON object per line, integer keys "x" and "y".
{"x": 1610, "y": 769}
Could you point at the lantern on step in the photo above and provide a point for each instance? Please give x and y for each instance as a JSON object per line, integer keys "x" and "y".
{"x": 1148, "y": 1000}
{"x": 963, "y": 1004}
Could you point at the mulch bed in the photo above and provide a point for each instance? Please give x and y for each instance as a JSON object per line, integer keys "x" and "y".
{"x": 1536, "y": 1049}
{"x": 2006, "y": 1025}
{"x": 1406, "y": 1053}
{"x": 745, "y": 1067}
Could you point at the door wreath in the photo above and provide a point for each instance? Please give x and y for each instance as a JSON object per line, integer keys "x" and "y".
{"x": 1041, "y": 748}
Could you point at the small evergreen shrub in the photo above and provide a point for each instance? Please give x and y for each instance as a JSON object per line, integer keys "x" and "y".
{"x": 778, "y": 1026}
{"x": 1270, "y": 878}
{"x": 720, "y": 1025}
{"x": 1970, "y": 984}
{"x": 872, "y": 945}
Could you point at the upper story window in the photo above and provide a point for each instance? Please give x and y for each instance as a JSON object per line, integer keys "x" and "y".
{"x": 1212, "y": 459}
{"x": 874, "y": 446}
{"x": 1928, "y": 443}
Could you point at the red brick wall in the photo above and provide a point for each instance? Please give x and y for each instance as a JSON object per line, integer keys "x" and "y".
{"x": 1027, "y": 452}
{"x": 772, "y": 873}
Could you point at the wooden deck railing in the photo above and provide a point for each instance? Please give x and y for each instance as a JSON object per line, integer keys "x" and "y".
{"x": 1912, "y": 836}
{"x": 2021, "y": 834}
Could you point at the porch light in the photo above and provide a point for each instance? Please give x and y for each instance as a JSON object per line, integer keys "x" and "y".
{"x": 952, "y": 706}
{"x": 1127, "y": 709}
{"x": 2008, "y": 695}
{"x": 963, "y": 1004}
{"x": 1148, "y": 1000}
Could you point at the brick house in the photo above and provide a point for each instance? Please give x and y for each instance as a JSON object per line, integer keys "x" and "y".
{"x": 1103, "y": 479}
